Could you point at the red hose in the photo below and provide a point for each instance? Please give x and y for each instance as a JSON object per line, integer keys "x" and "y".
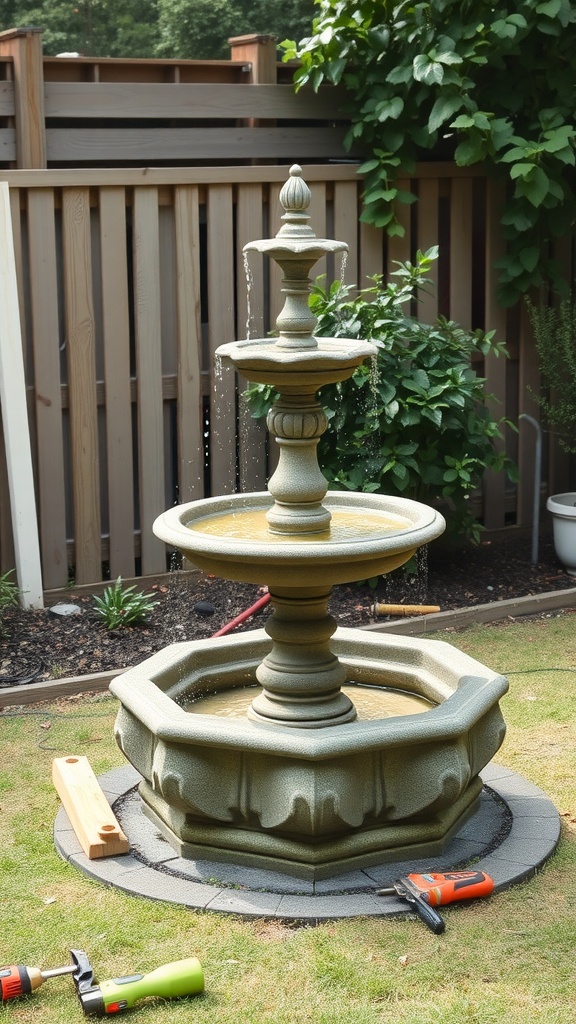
{"x": 243, "y": 616}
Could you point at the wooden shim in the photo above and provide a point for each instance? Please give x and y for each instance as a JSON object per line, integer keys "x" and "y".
{"x": 46, "y": 338}
{"x": 80, "y": 347}
{"x": 148, "y": 144}
{"x": 116, "y": 342}
{"x": 15, "y": 421}
{"x": 187, "y": 100}
{"x": 147, "y": 311}
{"x": 189, "y": 344}
{"x": 90, "y": 814}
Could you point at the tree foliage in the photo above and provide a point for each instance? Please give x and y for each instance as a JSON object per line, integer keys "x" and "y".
{"x": 102, "y": 28}
{"x": 201, "y": 28}
{"x": 417, "y": 423}
{"x": 192, "y": 29}
{"x": 489, "y": 81}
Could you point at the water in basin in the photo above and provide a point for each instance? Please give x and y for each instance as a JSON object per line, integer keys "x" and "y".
{"x": 346, "y": 525}
{"x": 371, "y": 702}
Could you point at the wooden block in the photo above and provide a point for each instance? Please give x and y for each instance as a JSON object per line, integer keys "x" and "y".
{"x": 90, "y": 814}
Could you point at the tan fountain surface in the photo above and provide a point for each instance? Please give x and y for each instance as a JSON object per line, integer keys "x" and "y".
{"x": 297, "y": 781}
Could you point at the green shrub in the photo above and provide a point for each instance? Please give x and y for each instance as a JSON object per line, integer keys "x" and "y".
{"x": 555, "y": 339}
{"x": 123, "y": 606}
{"x": 417, "y": 422}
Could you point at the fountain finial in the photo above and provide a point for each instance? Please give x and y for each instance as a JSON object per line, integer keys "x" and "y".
{"x": 295, "y": 197}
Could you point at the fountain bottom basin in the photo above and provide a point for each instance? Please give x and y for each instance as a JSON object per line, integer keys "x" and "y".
{"x": 310, "y": 803}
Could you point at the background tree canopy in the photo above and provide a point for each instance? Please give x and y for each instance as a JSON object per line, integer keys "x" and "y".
{"x": 194, "y": 29}
{"x": 490, "y": 81}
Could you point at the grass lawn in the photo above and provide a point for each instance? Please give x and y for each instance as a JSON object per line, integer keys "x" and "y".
{"x": 508, "y": 959}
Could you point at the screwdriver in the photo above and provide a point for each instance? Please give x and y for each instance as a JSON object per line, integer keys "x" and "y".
{"x": 19, "y": 980}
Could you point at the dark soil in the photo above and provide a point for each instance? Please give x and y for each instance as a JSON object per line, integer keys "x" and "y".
{"x": 36, "y": 645}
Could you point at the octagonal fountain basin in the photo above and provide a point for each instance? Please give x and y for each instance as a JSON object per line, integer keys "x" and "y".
{"x": 369, "y": 534}
{"x": 392, "y": 785}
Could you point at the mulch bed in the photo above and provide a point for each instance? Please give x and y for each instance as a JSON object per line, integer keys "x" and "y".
{"x": 39, "y": 645}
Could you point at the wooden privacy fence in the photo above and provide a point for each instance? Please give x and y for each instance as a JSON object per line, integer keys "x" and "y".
{"x": 130, "y": 279}
{"x": 130, "y": 276}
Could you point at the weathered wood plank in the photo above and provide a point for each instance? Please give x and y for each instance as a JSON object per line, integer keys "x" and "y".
{"x": 346, "y": 226}
{"x": 189, "y": 344}
{"x": 427, "y": 235}
{"x": 494, "y": 369}
{"x": 104, "y": 144}
{"x": 461, "y": 251}
{"x": 6, "y": 99}
{"x": 45, "y": 329}
{"x": 15, "y": 421}
{"x": 116, "y": 346}
{"x": 250, "y": 306}
{"x": 7, "y": 145}
{"x": 24, "y": 45}
{"x": 80, "y": 349}
{"x": 200, "y": 101}
{"x": 221, "y": 328}
{"x": 147, "y": 318}
{"x": 400, "y": 246}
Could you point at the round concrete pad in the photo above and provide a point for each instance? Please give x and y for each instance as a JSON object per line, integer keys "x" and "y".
{"x": 515, "y": 830}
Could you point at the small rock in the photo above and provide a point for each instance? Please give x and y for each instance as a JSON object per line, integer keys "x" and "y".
{"x": 204, "y": 608}
{"x": 65, "y": 609}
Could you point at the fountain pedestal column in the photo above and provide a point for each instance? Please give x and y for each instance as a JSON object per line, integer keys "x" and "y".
{"x": 301, "y": 677}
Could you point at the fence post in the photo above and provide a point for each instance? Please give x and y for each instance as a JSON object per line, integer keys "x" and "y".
{"x": 260, "y": 52}
{"x": 24, "y": 45}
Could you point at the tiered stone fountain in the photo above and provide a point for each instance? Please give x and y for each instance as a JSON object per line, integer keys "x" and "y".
{"x": 300, "y": 781}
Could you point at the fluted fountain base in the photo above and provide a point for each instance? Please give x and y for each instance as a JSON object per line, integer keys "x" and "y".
{"x": 311, "y": 802}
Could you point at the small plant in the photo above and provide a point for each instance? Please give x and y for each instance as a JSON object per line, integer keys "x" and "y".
{"x": 416, "y": 423}
{"x": 9, "y": 592}
{"x": 123, "y": 606}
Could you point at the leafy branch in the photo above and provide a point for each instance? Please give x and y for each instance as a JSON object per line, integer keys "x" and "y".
{"x": 488, "y": 82}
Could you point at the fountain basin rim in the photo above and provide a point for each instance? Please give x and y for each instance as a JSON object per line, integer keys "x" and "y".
{"x": 344, "y": 352}
{"x": 425, "y": 524}
{"x": 293, "y": 246}
{"x": 473, "y": 695}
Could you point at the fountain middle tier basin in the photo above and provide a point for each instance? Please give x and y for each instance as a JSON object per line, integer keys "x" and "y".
{"x": 369, "y": 535}
{"x": 311, "y": 803}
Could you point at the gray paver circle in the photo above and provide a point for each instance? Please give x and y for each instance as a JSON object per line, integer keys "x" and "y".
{"x": 514, "y": 832}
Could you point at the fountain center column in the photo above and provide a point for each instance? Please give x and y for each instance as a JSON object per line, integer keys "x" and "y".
{"x": 298, "y": 485}
{"x": 301, "y": 677}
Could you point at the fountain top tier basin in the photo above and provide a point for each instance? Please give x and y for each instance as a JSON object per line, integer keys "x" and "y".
{"x": 368, "y": 535}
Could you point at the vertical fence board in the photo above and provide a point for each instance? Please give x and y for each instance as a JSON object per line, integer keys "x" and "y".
{"x": 346, "y": 226}
{"x": 494, "y": 369}
{"x": 528, "y": 387}
{"x": 47, "y": 390}
{"x": 147, "y": 318}
{"x": 371, "y": 257}
{"x": 427, "y": 236}
{"x": 80, "y": 345}
{"x": 7, "y": 556}
{"x": 461, "y": 251}
{"x": 116, "y": 344}
{"x": 221, "y": 328}
{"x": 250, "y": 305}
{"x": 400, "y": 246}
{"x": 189, "y": 345}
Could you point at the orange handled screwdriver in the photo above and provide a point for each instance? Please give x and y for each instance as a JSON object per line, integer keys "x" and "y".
{"x": 434, "y": 889}
{"x": 19, "y": 980}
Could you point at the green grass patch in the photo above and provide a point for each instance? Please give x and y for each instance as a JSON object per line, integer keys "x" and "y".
{"x": 506, "y": 959}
